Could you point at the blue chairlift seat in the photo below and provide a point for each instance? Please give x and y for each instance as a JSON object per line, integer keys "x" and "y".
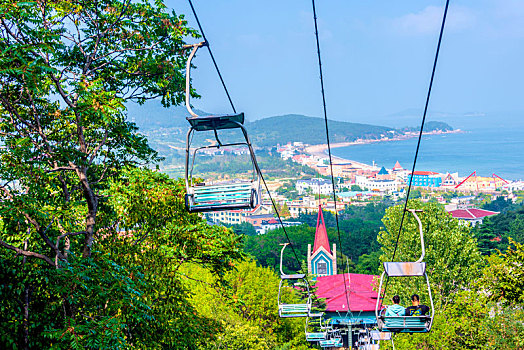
{"x": 316, "y": 336}
{"x": 205, "y": 197}
{"x": 241, "y": 195}
{"x": 406, "y": 324}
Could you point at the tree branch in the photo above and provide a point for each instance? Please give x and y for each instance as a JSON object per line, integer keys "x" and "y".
{"x": 27, "y": 253}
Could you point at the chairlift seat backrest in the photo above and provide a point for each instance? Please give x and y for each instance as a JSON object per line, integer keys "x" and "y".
{"x": 294, "y": 310}
{"x": 405, "y": 269}
{"x": 316, "y": 336}
{"x": 297, "y": 276}
{"x": 222, "y": 197}
{"x": 216, "y": 122}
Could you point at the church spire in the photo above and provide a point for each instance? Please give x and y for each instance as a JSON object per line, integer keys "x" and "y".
{"x": 321, "y": 237}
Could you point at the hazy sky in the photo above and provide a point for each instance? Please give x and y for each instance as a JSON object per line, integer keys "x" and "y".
{"x": 377, "y": 56}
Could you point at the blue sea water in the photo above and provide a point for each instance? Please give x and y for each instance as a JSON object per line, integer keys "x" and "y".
{"x": 486, "y": 150}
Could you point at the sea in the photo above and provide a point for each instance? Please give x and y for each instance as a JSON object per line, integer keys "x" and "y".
{"x": 487, "y": 148}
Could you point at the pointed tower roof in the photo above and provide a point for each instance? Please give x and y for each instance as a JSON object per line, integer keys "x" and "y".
{"x": 397, "y": 166}
{"x": 383, "y": 171}
{"x": 321, "y": 237}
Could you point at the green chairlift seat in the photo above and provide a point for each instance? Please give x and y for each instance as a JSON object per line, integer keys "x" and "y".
{"x": 406, "y": 324}
{"x": 231, "y": 195}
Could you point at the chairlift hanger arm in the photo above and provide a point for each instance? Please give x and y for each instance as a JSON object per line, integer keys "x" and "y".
{"x": 414, "y": 212}
{"x": 188, "y": 73}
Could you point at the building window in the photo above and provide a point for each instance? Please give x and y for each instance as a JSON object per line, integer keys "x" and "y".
{"x": 321, "y": 268}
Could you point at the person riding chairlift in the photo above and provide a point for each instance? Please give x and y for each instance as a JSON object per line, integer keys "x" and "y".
{"x": 416, "y": 309}
{"x": 395, "y": 309}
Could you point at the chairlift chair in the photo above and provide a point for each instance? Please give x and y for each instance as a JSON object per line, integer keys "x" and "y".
{"x": 293, "y": 310}
{"x": 315, "y": 329}
{"x": 334, "y": 340}
{"x": 406, "y": 324}
{"x": 205, "y": 197}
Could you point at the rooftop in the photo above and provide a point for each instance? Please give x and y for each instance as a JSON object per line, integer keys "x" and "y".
{"x": 424, "y": 173}
{"x": 361, "y": 295}
{"x": 471, "y": 214}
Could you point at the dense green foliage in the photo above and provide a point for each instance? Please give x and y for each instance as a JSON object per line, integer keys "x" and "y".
{"x": 67, "y": 69}
{"x": 495, "y": 231}
{"x": 91, "y": 245}
{"x": 245, "y": 311}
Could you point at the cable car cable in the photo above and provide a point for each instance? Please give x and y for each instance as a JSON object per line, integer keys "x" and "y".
{"x": 420, "y": 133}
{"x": 212, "y": 57}
{"x": 328, "y": 143}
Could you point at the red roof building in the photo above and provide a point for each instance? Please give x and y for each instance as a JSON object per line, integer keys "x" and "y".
{"x": 359, "y": 289}
{"x": 397, "y": 167}
{"x": 473, "y": 215}
{"x": 418, "y": 172}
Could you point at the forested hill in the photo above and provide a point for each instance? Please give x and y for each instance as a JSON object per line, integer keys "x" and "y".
{"x": 168, "y": 126}
{"x": 294, "y": 127}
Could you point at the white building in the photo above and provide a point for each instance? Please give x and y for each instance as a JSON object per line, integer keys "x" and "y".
{"x": 514, "y": 186}
{"x": 317, "y": 186}
{"x": 386, "y": 186}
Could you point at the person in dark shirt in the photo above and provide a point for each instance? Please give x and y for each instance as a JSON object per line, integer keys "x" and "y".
{"x": 416, "y": 309}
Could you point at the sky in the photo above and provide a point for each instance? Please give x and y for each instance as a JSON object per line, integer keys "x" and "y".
{"x": 377, "y": 57}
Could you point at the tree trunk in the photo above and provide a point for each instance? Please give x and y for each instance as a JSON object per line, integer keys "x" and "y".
{"x": 92, "y": 206}
{"x": 26, "y": 318}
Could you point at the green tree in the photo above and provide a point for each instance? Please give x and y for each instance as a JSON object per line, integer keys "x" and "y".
{"x": 246, "y": 310}
{"x": 285, "y": 210}
{"x": 158, "y": 237}
{"x": 504, "y": 277}
{"x": 244, "y": 229}
{"x": 67, "y": 70}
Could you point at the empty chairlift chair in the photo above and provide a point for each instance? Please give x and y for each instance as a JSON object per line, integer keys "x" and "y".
{"x": 232, "y": 195}
{"x": 334, "y": 340}
{"x": 406, "y": 324}
{"x": 293, "y": 310}
{"x": 316, "y": 330}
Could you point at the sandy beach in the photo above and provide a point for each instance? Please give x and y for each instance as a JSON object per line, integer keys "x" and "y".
{"x": 321, "y": 150}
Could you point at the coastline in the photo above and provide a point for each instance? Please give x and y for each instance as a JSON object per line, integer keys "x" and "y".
{"x": 321, "y": 149}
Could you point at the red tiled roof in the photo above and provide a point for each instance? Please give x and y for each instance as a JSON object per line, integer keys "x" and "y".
{"x": 361, "y": 295}
{"x": 471, "y": 213}
{"x": 397, "y": 166}
{"x": 321, "y": 238}
{"x": 425, "y": 173}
